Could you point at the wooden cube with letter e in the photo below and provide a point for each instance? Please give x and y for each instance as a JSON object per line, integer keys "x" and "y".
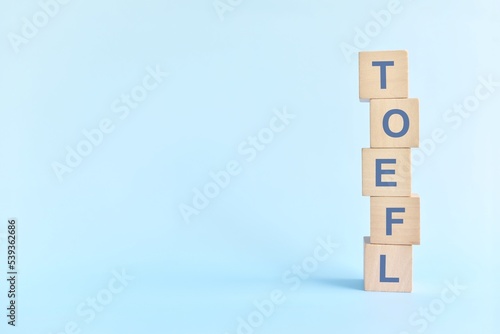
{"x": 386, "y": 172}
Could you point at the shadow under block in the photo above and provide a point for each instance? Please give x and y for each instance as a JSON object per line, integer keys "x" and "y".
{"x": 386, "y": 172}
{"x": 383, "y": 74}
{"x": 394, "y": 123}
{"x": 387, "y": 267}
{"x": 395, "y": 220}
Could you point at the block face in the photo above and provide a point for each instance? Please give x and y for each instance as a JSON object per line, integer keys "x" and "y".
{"x": 386, "y": 172}
{"x": 387, "y": 267}
{"x": 383, "y": 75}
{"x": 395, "y": 220}
{"x": 394, "y": 123}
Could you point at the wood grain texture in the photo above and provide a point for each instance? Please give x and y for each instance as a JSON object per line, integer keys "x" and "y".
{"x": 407, "y": 233}
{"x": 379, "y": 108}
{"x": 398, "y": 265}
{"x": 402, "y": 169}
{"x": 396, "y": 75}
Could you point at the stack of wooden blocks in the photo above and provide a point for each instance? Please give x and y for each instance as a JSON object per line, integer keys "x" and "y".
{"x": 394, "y": 210}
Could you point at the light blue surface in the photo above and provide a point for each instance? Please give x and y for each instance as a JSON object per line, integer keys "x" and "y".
{"x": 119, "y": 209}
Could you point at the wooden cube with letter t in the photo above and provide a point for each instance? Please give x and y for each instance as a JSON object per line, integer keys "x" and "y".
{"x": 383, "y": 75}
{"x": 387, "y": 267}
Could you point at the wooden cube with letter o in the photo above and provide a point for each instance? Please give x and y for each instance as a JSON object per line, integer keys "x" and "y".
{"x": 394, "y": 123}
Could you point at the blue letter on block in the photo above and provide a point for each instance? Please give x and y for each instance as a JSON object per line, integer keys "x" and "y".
{"x": 389, "y": 220}
{"x": 406, "y": 123}
{"x": 384, "y": 279}
{"x": 379, "y": 171}
{"x": 383, "y": 77}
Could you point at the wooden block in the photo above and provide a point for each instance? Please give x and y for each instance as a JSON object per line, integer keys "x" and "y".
{"x": 395, "y": 220}
{"x": 383, "y": 75}
{"x": 394, "y": 123}
{"x": 386, "y": 172}
{"x": 387, "y": 267}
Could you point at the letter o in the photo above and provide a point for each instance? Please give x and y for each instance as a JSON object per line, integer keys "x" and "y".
{"x": 81, "y": 145}
{"x": 211, "y": 190}
{"x": 139, "y": 93}
{"x": 406, "y": 123}
{"x": 40, "y": 15}
{"x": 471, "y": 103}
{"x": 310, "y": 264}
{"x": 369, "y": 31}
{"x": 255, "y": 316}
{"x": 439, "y": 303}
{"x": 104, "y": 297}
{"x": 418, "y": 157}
{"x": 269, "y": 136}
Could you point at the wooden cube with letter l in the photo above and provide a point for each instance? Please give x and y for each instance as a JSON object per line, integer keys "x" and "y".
{"x": 387, "y": 267}
{"x": 395, "y": 220}
{"x": 386, "y": 172}
{"x": 394, "y": 123}
{"x": 383, "y": 75}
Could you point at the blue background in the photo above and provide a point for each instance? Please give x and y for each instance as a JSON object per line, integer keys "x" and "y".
{"x": 119, "y": 209}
